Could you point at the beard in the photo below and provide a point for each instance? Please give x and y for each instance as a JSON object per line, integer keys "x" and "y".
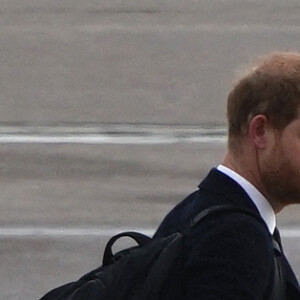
{"x": 282, "y": 180}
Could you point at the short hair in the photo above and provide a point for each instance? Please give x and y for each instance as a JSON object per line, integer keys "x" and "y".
{"x": 271, "y": 88}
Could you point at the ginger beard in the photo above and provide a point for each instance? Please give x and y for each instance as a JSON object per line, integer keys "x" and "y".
{"x": 280, "y": 172}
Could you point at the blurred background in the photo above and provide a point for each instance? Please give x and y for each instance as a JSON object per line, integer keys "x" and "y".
{"x": 111, "y": 113}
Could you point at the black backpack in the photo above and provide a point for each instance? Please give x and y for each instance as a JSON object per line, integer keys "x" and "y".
{"x": 141, "y": 272}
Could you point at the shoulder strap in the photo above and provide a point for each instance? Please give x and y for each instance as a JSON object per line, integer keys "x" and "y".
{"x": 226, "y": 208}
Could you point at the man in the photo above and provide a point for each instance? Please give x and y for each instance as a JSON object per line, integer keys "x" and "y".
{"x": 231, "y": 255}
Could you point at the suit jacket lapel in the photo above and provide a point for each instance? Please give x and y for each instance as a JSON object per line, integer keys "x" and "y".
{"x": 292, "y": 282}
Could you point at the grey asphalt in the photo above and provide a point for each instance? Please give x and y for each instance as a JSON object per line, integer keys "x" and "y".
{"x": 92, "y": 186}
{"x": 130, "y": 62}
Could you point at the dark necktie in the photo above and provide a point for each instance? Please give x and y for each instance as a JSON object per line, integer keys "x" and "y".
{"x": 278, "y": 290}
{"x": 286, "y": 274}
{"x": 277, "y": 239}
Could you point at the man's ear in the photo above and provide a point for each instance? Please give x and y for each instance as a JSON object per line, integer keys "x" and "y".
{"x": 259, "y": 128}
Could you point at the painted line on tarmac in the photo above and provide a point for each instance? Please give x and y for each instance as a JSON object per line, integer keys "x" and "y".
{"x": 40, "y": 232}
{"x": 290, "y": 232}
{"x": 111, "y": 134}
{"x": 138, "y": 28}
{"x": 186, "y": 28}
{"x": 57, "y": 232}
{"x": 105, "y": 139}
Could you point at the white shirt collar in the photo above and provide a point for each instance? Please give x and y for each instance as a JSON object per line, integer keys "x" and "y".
{"x": 262, "y": 204}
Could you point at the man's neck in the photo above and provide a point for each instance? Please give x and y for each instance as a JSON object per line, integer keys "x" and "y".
{"x": 249, "y": 170}
{"x": 262, "y": 204}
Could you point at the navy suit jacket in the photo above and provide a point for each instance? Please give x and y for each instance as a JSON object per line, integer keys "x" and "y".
{"x": 228, "y": 256}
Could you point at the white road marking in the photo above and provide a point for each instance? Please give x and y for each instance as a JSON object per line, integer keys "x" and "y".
{"x": 290, "y": 232}
{"x": 111, "y": 134}
{"x": 185, "y": 28}
{"x": 57, "y": 232}
{"x": 172, "y": 27}
{"x": 40, "y": 232}
{"x": 103, "y": 139}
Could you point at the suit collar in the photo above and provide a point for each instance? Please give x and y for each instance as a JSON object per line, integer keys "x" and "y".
{"x": 263, "y": 205}
{"x": 218, "y": 183}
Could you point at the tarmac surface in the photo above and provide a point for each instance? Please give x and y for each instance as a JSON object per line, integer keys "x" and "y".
{"x": 143, "y": 64}
{"x": 62, "y": 202}
{"x": 133, "y": 61}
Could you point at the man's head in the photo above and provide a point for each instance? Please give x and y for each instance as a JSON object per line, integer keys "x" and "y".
{"x": 271, "y": 88}
{"x": 264, "y": 127}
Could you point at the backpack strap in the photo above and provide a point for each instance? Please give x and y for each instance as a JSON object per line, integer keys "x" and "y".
{"x": 226, "y": 208}
{"x": 277, "y": 285}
